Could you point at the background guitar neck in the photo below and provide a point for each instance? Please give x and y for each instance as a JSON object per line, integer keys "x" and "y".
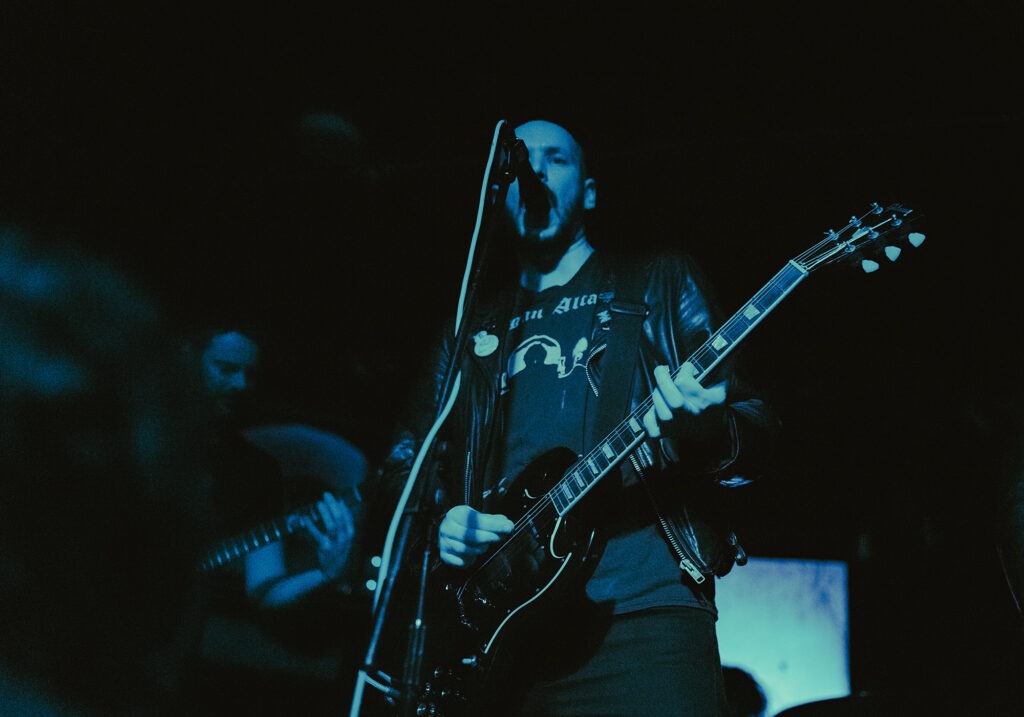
{"x": 240, "y": 545}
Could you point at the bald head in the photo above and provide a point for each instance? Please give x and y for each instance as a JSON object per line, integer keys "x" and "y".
{"x": 546, "y": 133}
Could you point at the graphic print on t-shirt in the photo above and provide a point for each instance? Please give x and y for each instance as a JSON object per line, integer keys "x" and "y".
{"x": 545, "y": 350}
{"x": 545, "y": 374}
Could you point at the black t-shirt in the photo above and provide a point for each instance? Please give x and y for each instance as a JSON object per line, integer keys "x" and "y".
{"x": 545, "y": 383}
{"x": 248, "y": 485}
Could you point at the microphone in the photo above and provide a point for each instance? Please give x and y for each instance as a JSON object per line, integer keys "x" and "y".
{"x": 531, "y": 190}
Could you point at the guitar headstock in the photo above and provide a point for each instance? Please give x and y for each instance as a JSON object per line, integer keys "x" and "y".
{"x": 880, "y": 234}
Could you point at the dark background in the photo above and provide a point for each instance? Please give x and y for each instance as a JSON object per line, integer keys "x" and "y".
{"x": 319, "y": 166}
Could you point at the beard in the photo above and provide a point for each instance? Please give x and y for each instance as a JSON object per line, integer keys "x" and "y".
{"x": 543, "y": 253}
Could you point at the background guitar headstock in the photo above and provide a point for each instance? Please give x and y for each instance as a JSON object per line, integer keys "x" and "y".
{"x": 880, "y": 234}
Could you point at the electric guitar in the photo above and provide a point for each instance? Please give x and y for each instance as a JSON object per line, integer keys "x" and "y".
{"x": 510, "y": 582}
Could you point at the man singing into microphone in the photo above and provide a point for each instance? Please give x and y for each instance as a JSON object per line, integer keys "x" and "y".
{"x": 629, "y": 627}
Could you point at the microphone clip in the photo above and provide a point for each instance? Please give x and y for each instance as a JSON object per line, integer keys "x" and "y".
{"x": 516, "y": 165}
{"x": 513, "y": 151}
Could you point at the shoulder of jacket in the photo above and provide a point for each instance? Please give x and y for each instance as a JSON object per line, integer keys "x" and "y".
{"x": 652, "y": 264}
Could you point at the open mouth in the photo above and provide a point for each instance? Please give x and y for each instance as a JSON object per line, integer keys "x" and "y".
{"x": 536, "y": 218}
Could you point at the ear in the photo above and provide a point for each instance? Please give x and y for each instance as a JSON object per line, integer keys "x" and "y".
{"x": 589, "y": 194}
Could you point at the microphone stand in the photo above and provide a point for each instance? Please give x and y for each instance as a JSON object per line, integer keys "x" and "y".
{"x": 405, "y": 696}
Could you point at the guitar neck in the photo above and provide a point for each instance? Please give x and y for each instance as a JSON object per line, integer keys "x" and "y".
{"x": 628, "y": 434}
{"x": 271, "y": 531}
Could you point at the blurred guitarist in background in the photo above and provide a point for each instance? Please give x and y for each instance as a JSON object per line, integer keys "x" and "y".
{"x": 255, "y": 601}
{"x": 636, "y": 634}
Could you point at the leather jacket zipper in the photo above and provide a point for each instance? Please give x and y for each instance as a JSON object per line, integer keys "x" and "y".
{"x": 686, "y": 562}
{"x": 586, "y": 367}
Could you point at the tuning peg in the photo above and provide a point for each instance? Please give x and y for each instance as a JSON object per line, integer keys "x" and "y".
{"x": 892, "y": 252}
{"x": 915, "y": 238}
{"x": 868, "y": 265}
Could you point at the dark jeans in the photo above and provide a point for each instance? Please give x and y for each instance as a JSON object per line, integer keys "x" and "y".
{"x": 660, "y": 663}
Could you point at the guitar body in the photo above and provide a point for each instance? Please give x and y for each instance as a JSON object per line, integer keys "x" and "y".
{"x": 507, "y": 592}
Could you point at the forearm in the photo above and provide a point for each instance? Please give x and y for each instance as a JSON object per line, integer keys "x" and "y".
{"x": 289, "y": 589}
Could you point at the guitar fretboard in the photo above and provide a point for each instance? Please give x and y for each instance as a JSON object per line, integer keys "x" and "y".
{"x": 269, "y": 532}
{"x": 628, "y": 434}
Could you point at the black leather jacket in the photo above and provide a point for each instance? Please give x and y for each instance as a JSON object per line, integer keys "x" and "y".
{"x": 686, "y": 470}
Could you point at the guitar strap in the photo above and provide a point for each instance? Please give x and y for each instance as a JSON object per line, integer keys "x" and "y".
{"x": 628, "y": 312}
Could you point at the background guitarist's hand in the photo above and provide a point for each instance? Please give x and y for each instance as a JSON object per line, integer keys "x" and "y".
{"x": 683, "y": 393}
{"x": 335, "y": 540}
{"x": 465, "y": 534}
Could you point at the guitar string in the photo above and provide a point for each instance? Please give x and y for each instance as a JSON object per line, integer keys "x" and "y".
{"x": 533, "y": 512}
{"x": 855, "y": 222}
